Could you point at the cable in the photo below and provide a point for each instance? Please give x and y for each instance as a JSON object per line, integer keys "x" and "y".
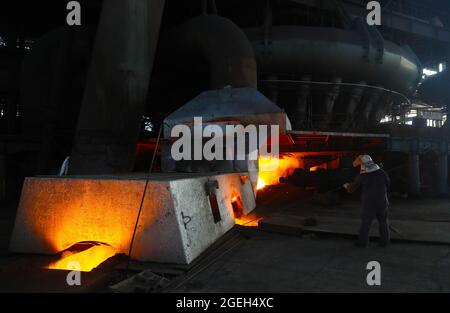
{"x": 147, "y": 179}
{"x": 336, "y": 83}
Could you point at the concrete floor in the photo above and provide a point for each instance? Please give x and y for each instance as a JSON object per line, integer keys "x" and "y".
{"x": 270, "y": 262}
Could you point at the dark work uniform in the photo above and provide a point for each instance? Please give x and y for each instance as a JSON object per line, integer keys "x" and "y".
{"x": 375, "y": 203}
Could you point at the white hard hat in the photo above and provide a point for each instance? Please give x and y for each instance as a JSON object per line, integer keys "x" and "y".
{"x": 366, "y": 163}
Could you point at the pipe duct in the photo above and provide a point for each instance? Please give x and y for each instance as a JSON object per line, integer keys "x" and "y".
{"x": 225, "y": 47}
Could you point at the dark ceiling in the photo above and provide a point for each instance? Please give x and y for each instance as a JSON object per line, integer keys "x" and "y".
{"x": 32, "y": 18}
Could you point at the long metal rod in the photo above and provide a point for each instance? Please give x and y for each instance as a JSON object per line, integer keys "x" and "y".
{"x": 337, "y": 134}
{"x": 147, "y": 179}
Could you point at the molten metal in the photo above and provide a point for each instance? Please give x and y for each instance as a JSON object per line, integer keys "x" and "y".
{"x": 248, "y": 221}
{"x": 84, "y": 261}
{"x": 261, "y": 183}
{"x": 272, "y": 169}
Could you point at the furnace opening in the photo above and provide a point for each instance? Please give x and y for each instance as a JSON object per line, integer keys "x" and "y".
{"x": 238, "y": 208}
{"x": 272, "y": 169}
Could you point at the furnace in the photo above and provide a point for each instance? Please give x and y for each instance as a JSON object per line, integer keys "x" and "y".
{"x": 182, "y": 215}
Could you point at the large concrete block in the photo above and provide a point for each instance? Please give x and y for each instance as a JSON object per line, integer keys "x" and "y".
{"x": 177, "y": 222}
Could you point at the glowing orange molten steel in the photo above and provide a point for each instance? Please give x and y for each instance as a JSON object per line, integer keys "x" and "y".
{"x": 248, "y": 221}
{"x": 271, "y": 169}
{"x": 84, "y": 261}
{"x": 261, "y": 183}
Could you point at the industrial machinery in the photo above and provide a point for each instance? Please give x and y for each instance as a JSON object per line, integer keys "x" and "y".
{"x": 313, "y": 68}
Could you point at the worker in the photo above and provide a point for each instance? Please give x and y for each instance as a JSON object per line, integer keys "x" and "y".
{"x": 374, "y": 182}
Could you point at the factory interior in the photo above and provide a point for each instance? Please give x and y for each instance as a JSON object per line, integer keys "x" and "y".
{"x": 89, "y": 182}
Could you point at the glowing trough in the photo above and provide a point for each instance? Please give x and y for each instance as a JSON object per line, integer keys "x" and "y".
{"x": 85, "y": 261}
{"x": 182, "y": 214}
